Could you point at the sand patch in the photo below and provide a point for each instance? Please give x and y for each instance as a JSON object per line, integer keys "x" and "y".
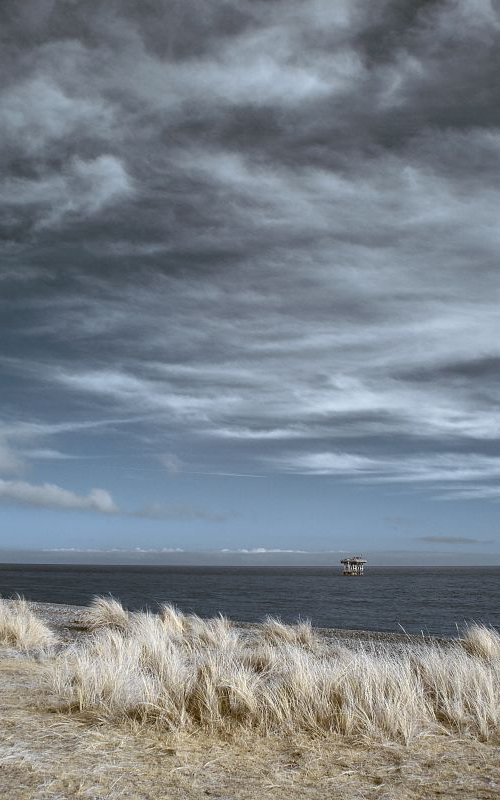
{"x": 44, "y": 754}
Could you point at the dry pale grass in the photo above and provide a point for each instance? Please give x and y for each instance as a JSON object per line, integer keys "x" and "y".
{"x": 174, "y": 621}
{"x": 106, "y": 612}
{"x": 183, "y": 674}
{"x": 403, "y": 724}
{"x": 192, "y": 631}
{"x": 47, "y": 755}
{"x": 275, "y": 631}
{"x": 21, "y": 629}
{"x": 482, "y": 641}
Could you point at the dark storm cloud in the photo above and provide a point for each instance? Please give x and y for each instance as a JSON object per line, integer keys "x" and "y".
{"x": 269, "y": 228}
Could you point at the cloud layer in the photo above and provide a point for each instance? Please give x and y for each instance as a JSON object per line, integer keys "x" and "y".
{"x": 259, "y": 237}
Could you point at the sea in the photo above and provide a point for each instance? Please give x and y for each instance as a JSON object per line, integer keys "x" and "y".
{"x": 430, "y": 600}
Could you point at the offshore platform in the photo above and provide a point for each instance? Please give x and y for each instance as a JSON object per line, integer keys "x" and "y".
{"x": 353, "y": 565}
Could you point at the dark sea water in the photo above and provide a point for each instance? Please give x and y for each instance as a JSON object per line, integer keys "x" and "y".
{"x": 430, "y": 599}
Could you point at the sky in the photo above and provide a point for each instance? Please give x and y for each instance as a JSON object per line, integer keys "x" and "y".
{"x": 249, "y": 285}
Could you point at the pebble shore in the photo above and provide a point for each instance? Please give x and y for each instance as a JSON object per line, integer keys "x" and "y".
{"x": 70, "y": 623}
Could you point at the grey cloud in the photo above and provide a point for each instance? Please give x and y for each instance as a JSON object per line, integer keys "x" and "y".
{"x": 482, "y": 371}
{"x": 37, "y": 113}
{"x": 113, "y": 550}
{"x": 22, "y": 431}
{"x": 479, "y": 492}
{"x": 171, "y": 462}
{"x": 261, "y": 550}
{"x": 268, "y": 229}
{"x": 11, "y": 462}
{"x": 81, "y": 190}
{"x": 49, "y": 495}
{"x": 453, "y": 540}
{"x": 23, "y": 442}
{"x": 47, "y": 454}
{"x": 465, "y": 477}
{"x": 180, "y": 513}
{"x": 52, "y": 496}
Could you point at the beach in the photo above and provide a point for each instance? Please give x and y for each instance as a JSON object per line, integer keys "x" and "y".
{"x": 48, "y": 750}
{"x": 68, "y": 620}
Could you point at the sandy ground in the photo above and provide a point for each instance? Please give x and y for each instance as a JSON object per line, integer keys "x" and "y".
{"x": 45, "y": 753}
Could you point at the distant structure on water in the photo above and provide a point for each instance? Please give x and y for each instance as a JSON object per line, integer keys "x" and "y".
{"x": 353, "y": 565}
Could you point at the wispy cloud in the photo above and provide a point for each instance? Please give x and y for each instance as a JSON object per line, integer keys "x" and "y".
{"x": 453, "y": 540}
{"x": 262, "y": 550}
{"x": 55, "y": 497}
{"x": 11, "y": 462}
{"x": 49, "y": 495}
{"x": 171, "y": 462}
{"x": 48, "y": 454}
{"x": 180, "y": 513}
{"x": 474, "y": 492}
{"x": 85, "y": 188}
{"x": 464, "y": 475}
{"x": 113, "y": 550}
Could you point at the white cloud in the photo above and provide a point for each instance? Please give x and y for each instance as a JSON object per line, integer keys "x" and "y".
{"x": 81, "y": 189}
{"x": 48, "y": 495}
{"x": 260, "y": 67}
{"x": 48, "y": 454}
{"x": 139, "y": 393}
{"x": 11, "y": 463}
{"x": 171, "y": 462}
{"x": 331, "y": 464}
{"x": 36, "y": 112}
{"x": 456, "y": 471}
{"x": 479, "y": 492}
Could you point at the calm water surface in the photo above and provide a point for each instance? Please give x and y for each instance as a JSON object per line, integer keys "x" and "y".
{"x": 435, "y": 600}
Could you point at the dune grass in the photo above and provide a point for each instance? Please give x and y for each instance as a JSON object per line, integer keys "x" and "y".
{"x": 185, "y": 674}
{"x": 482, "y": 641}
{"x": 46, "y": 755}
{"x": 106, "y": 612}
{"x": 21, "y": 629}
{"x": 187, "y": 707}
{"x": 302, "y": 634}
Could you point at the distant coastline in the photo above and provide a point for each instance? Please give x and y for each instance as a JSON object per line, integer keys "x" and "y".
{"x": 258, "y": 557}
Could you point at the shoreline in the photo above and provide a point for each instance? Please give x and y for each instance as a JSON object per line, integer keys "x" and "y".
{"x": 69, "y": 622}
